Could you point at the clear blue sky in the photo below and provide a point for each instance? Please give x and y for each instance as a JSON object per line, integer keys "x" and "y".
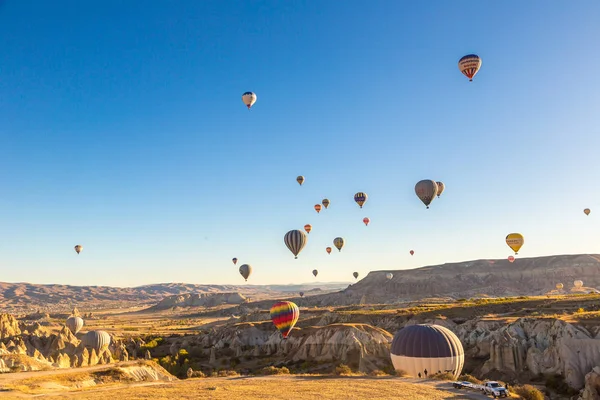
{"x": 122, "y": 129}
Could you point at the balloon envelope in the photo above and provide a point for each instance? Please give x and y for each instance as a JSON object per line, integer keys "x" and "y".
{"x": 326, "y": 203}
{"x": 245, "y": 271}
{"x": 355, "y": 274}
{"x": 295, "y": 240}
{"x": 578, "y": 284}
{"x": 328, "y": 250}
{"x": 426, "y": 191}
{"x": 412, "y": 252}
{"x": 249, "y": 99}
{"x": 315, "y": 272}
{"x": 301, "y": 294}
{"x": 389, "y": 275}
{"x": 361, "y": 198}
{"x": 284, "y": 315}
{"x": 78, "y": 248}
{"x": 338, "y": 242}
{"x": 366, "y": 220}
{"x": 318, "y": 208}
{"x": 587, "y": 211}
{"x": 96, "y": 340}
{"x": 511, "y": 259}
{"x": 308, "y": 228}
{"x": 417, "y": 348}
{"x": 469, "y": 65}
{"x": 515, "y": 241}
{"x": 234, "y": 260}
{"x": 559, "y": 286}
{"x": 441, "y": 188}
{"x": 74, "y": 324}
{"x": 300, "y": 180}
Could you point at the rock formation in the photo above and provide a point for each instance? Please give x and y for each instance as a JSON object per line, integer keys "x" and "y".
{"x": 199, "y": 299}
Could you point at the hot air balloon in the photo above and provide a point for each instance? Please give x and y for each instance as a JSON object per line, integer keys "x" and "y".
{"x": 366, "y": 220}
{"x": 295, "y": 240}
{"x": 355, "y": 274}
{"x": 74, "y": 324}
{"x": 78, "y": 248}
{"x": 417, "y": 348}
{"x": 308, "y": 228}
{"x": 412, "y": 252}
{"x": 284, "y": 315}
{"x": 441, "y": 188}
{"x": 559, "y": 286}
{"x": 338, "y": 242}
{"x": 578, "y": 284}
{"x": 325, "y": 203}
{"x": 515, "y": 241}
{"x": 234, "y": 261}
{"x": 361, "y": 198}
{"x": 300, "y": 180}
{"x": 245, "y": 271}
{"x": 249, "y": 99}
{"x": 318, "y": 208}
{"x": 426, "y": 190}
{"x": 328, "y": 250}
{"x": 315, "y": 272}
{"x": 96, "y": 340}
{"x": 389, "y": 276}
{"x": 469, "y": 65}
{"x": 511, "y": 259}
{"x": 301, "y": 294}
{"x": 587, "y": 211}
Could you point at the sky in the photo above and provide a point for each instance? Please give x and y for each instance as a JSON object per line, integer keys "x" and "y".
{"x": 122, "y": 129}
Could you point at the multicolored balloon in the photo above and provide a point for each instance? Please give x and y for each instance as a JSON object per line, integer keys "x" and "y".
{"x": 284, "y": 315}
{"x": 325, "y": 203}
{"x": 586, "y": 211}
{"x": 338, "y": 242}
{"x": 249, "y": 99}
{"x": 78, "y": 248}
{"x": 245, "y": 271}
{"x": 355, "y": 274}
{"x": 361, "y": 198}
{"x": 308, "y": 228}
{"x": 234, "y": 260}
{"x": 295, "y": 240}
{"x": 515, "y": 241}
{"x": 318, "y": 208}
{"x": 469, "y": 65}
{"x": 426, "y": 190}
{"x": 441, "y": 188}
{"x": 315, "y": 272}
{"x": 366, "y": 220}
{"x": 328, "y": 250}
{"x": 511, "y": 259}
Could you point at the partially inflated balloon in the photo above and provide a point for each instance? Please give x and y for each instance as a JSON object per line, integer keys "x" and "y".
{"x": 295, "y": 240}
{"x": 249, "y": 99}
{"x": 361, "y": 198}
{"x": 78, "y": 248}
{"x": 328, "y": 250}
{"x": 587, "y": 211}
{"x": 515, "y": 241}
{"x": 245, "y": 271}
{"x": 559, "y": 286}
{"x": 234, "y": 261}
{"x": 315, "y": 272}
{"x": 308, "y": 228}
{"x": 355, "y": 274}
{"x": 300, "y": 180}
{"x": 389, "y": 276}
{"x": 338, "y": 242}
{"x": 511, "y": 259}
{"x": 366, "y": 220}
{"x": 469, "y": 65}
{"x": 318, "y": 208}
{"x": 412, "y": 252}
{"x": 426, "y": 190}
{"x": 284, "y": 315}
{"x": 326, "y": 203}
{"x": 441, "y": 188}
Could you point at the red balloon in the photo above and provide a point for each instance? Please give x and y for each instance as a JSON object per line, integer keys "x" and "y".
{"x": 511, "y": 259}
{"x": 366, "y": 220}
{"x": 317, "y": 208}
{"x": 412, "y": 252}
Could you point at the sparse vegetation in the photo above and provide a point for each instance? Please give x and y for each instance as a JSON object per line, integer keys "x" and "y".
{"x": 442, "y": 376}
{"x": 342, "y": 370}
{"x": 470, "y": 378}
{"x": 528, "y": 392}
{"x": 377, "y": 372}
{"x": 270, "y": 370}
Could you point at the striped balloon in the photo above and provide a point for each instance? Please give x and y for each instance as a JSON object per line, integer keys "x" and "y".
{"x": 295, "y": 241}
{"x": 360, "y": 198}
{"x": 469, "y": 65}
{"x": 284, "y": 315}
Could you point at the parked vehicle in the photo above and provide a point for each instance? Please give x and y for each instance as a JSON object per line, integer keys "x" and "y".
{"x": 490, "y": 387}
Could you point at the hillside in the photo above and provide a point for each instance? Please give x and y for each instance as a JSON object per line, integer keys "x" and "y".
{"x": 526, "y": 276}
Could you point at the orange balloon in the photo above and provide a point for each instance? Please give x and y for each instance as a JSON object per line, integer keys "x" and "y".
{"x": 308, "y": 228}
{"x": 318, "y": 208}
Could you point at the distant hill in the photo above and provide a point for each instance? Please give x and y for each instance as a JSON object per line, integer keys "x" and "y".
{"x": 526, "y": 276}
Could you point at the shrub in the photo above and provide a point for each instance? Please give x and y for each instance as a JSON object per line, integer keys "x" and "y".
{"x": 227, "y": 372}
{"x": 469, "y": 378}
{"x": 528, "y": 392}
{"x": 442, "y": 376}
{"x": 271, "y": 370}
{"x": 343, "y": 369}
{"x": 377, "y": 372}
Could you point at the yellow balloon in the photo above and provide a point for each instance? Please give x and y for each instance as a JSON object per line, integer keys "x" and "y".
{"x": 515, "y": 241}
